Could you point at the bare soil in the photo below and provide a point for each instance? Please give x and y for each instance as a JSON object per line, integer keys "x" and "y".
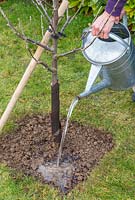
{"x": 32, "y": 145}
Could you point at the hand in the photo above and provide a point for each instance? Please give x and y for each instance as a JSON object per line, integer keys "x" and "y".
{"x": 101, "y": 27}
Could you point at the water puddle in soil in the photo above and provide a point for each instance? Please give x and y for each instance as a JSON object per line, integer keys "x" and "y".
{"x": 61, "y": 176}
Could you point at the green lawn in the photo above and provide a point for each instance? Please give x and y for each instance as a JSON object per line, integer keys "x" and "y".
{"x": 114, "y": 177}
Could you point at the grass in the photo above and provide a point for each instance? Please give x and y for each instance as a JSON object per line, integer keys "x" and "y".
{"x": 114, "y": 177}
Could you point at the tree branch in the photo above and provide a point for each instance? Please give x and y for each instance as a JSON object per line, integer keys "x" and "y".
{"x": 38, "y": 3}
{"x": 70, "y": 19}
{"x": 69, "y": 52}
{"x": 45, "y": 12}
{"x": 40, "y": 62}
{"x": 22, "y": 36}
{"x": 80, "y": 7}
{"x": 65, "y": 25}
{"x": 47, "y": 4}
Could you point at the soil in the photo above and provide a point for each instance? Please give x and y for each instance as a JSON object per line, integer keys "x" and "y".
{"x": 32, "y": 145}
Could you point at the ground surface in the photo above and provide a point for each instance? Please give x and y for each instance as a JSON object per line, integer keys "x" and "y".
{"x": 32, "y": 144}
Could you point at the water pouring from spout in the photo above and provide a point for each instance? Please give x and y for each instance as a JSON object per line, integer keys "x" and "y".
{"x": 91, "y": 78}
{"x": 72, "y": 106}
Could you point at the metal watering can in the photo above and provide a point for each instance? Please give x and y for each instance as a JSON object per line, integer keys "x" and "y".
{"x": 112, "y": 59}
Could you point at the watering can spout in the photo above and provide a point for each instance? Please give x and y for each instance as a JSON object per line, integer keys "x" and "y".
{"x": 90, "y": 88}
{"x": 99, "y": 86}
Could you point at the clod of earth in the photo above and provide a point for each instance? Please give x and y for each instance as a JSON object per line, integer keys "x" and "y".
{"x": 31, "y": 147}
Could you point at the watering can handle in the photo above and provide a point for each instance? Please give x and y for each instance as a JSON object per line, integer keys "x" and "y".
{"x": 119, "y": 39}
{"x": 124, "y": 20}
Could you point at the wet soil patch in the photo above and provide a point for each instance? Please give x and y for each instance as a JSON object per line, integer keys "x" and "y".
{"x": 32, "y": 145}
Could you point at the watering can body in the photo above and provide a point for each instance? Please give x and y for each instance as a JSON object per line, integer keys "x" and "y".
{"x": 121, "y": 73}
{"x": 113, "y": 58}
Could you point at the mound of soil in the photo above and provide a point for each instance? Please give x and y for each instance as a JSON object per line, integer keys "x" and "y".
{"x": 32, "y": 145}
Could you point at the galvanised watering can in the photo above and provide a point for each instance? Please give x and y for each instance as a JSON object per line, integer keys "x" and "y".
{"x": 112, "y": 59}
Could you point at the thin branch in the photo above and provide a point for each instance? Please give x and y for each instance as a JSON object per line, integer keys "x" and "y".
{"x": 45, "y": 14}
{"x": 69, "y": 52}
{"x": 38, "y": 8}
{"x": 80, "y": 7}
{"x": 47, "y": 4}
{"x": 39, "y": 2}
{"x": 20, "y": 26}
{"x": 39, "y": 44}
{"x": 65, "y": 25}
{"x": 41, "y": 62}
{"x": 42, "y": 25}
{"x": 22, "y": 36}
{"x": 70, "y": 19}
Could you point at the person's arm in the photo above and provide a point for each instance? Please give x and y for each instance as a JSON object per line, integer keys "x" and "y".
{"x": 116, "y": 15}
{"x": 110, "y": 6}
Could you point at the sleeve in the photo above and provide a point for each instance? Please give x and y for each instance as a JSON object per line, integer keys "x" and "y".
{"x": 110, "y": 5}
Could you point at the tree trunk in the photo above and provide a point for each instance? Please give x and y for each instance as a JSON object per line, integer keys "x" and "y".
{"x": 55, "y": 100}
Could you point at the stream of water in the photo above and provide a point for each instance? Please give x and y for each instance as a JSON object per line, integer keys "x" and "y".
{"x": 94, "y": 71}
{"x": 71, "y": 108}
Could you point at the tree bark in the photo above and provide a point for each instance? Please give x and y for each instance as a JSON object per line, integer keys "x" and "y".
{"x": 55, "y": 100}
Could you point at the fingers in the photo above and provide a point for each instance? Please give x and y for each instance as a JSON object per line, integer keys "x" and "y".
{"x": 101, "y": 27}
{"x": 96, "y": 26}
